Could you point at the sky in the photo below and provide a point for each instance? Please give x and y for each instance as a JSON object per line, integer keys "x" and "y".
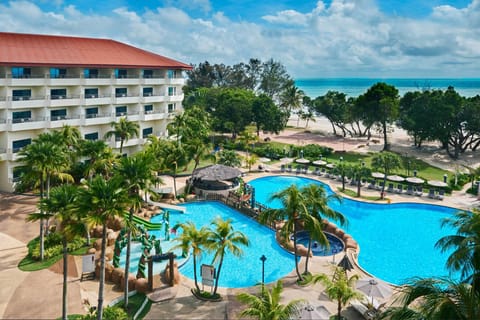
{"x": 312, "y": 39}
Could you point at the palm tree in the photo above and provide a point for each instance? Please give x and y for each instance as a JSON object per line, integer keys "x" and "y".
{"x": 197, "y": 150}
{"x": 387, "y": 162}
{"x": 267, "y": 305}
{"x": 101, "y": 200}
{"x": 465, "y": 244}
{"x": 229, "y": 158}
{"x": 42, "y": 159}
{"x": 341, "y": 288}
{"x": 291, "y": 97}
{"x": 124, "y": 130}
{"x": 293, "y": 207}
{"x": 224, "y": 239}
{"x": 316, "y": 202}
{"x": 192, "y": 238}
{"x": 69, "y": 225}
{"x": 360, "y": 172}
{"x": 100, "y": 158}
{"x": 137, "y": 175}
{"x": 342, "y": 170}
{"x": 438, "y": 298}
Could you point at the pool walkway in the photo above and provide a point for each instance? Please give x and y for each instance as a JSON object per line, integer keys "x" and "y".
{"x": 37, "y": 295}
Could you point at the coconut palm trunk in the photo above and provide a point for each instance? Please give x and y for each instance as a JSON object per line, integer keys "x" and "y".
{"x": 127, "y": 259}
{"x": 42, "y": 222}
{"x": 65, "y": 273}
{"x": 295, "y": 249}
{"x": 101, "y": 283}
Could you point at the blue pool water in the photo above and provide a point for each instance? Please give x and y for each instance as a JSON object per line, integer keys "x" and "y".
{"x": 236, "y": 272}
{"x": 396, "y": 240}
{"x": 336, "y": 245}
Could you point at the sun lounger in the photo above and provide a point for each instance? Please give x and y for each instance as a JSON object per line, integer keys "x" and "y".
{"x": 419, "y": 191}
{"x": 399, "y": 188}
{"x": 298, "y": 170}
{"x": 410, "y": 189}
{"x": 440, "y": 195}
{"x": 390, "y": 188}
{"x": 379, "y": 186}
{"x": 372, "y": 185}
{"x": 316, "y": 171}
{"x": 289, "y": 168}
{"x": 305, "y": 170}
{"x": 282, "y": 168}
{"x": 431, "y": 193}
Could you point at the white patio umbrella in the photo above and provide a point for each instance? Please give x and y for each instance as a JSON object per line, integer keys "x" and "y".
{"x": 330, "y": 165}
{"x": 319, "y": 162}
{"x": 302, "y": 161}
{"x": 286, "y": 160}
{"x": 415, "y": 180}
{"x": 318, "y": 313}
{"x": 378, "y": 175}
{"x": 374, "y": 288}
{"x": 396, "y": 178}
{"x": 263, "y": 159}
{"x": 437, "y": 183}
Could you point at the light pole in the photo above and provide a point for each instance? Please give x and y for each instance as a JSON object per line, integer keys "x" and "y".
{"x": 263, "y": 259}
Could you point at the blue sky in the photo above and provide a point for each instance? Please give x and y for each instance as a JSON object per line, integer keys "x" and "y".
{"x": 331, "y": 38}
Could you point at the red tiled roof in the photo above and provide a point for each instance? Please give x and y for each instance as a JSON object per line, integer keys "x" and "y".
{"x": 18, "y": 49}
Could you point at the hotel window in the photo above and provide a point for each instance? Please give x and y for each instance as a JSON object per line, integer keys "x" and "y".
{"x": 171, "y": 107}
{"x": 172, "y": 74}
{"x": 19, "y": 144}
{"x": 58, "y": 94}
{"x": 17, "y": 173}
{"x": 147, "y": 92}
{"x": 120, "y": 73}
{"x": 60, "y": 114}
{"x": 90, "y": 73}
{"x": 18, "y": 95}
{"x": 91, "y": 93}
{"x": 20, "y": 72}
{"x": 21, "y": 116}
{"x": 91, "y": 112}
{"x": 91, "y": 136}
{"x": 57, "y": 73}
{"x": 148, "y": 73}
{"x": 172, "y": 91}
{"x": 146, "y": 132}
{"x": 120, "y": 92}
{"x": 148, "y": 108}
{"x": 120, "y": 111}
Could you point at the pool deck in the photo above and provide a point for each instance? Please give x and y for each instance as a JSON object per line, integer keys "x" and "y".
{"x": 26, "y": 294}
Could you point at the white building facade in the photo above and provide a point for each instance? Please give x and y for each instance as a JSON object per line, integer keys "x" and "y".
{"x": 45, "y": 83}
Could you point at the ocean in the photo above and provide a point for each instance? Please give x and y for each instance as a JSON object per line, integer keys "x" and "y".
{"x": 353, "y": 87}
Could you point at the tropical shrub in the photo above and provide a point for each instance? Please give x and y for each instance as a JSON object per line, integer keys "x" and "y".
{"x": 53, "y": 246}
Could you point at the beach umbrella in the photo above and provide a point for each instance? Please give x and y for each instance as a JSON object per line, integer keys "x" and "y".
{"x": 437, "y": 183}
{"x": 396, "y": 178}
{"x": 330, "y": 165}
{"x": 374, "y": 288}
{"x": 378, "y": 175}
{"x": 415, "y": 180}
{"x": 263, "y": 159}
{"x": 310, "y": 312}
{"x": 319, "y": 162}
{"x": 302, "y": 161}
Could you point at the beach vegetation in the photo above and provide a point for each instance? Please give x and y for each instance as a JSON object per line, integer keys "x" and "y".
{"x": 123, "y": 130}
{"x": 266, "y": 304}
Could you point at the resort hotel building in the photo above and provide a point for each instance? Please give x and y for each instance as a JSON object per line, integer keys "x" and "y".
{"x": 48, "y": 81}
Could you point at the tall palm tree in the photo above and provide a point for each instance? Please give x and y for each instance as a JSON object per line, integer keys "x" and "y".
{"x": 291, "y": 98}
{"x": 465, "y": 244}
{"x": 316, "y": 202}
{"x": 267, "y": 305}
{"x": 101, "y": 158}
{"x": 197, "y": 150}
{"x": 124, "y": 130}
{"x": 360, "y": 172}
{"x": 101, "y": 200}
{"x": 340, "y": 288}
{"x": 59, "y": 205}
{"x": 437, "y": 298}
{"x": 387, "y": 162}
{"x": 223, "y": 239}
{"x": 195, "y": 239}
{"x": 137, "y": 175}
{"x": 42, "y": 159}
{"x": 293, "y": 207}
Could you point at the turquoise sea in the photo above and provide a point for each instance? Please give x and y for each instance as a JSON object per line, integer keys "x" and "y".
{"x": 353, "y": 87}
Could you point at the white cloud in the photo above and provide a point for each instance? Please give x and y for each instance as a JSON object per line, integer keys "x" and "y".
{"x": 347, "y": 38}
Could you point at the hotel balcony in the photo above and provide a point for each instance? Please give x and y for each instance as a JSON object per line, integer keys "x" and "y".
{"x": 175, "y": 81}
{"x": 25, "y": 102}
{"x": 25, "y": 124}
{"x": 27, "y": 81}
{"x": 124, "y": 98}
{"x": 95, "y": 99}
{"x": 3, "y": 154}
{"x": 60, "y": 121}
{"x": 12, "y": 154}
{"x": 64, "y": 81}
{"x": 153, "y": 115}
{"x": 152, "y": 99}
{"x": 101, "y": 80}
{"x": 115, "y": 143}
{"x": 127, "y": 81}
{"x": 97, "y": 119}
{"x": 68, "y": 100}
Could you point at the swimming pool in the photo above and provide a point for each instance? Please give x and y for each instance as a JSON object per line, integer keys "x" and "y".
{"x": 336, "y": 245}
{"x": 396, "y": 240}
{"x": 236, "y": 272}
